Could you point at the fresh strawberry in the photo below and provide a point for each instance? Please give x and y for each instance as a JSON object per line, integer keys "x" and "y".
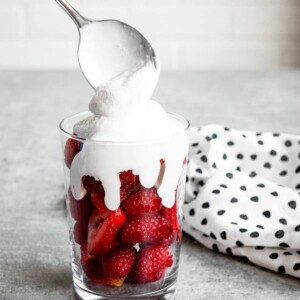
{"x": 72, "y": 148}
{"x": 147, "y": 229}
{"x": 80, "y": 209}
{"x": 118, "y": 262}
{"x": 98, "y": 201}
{"x": 125, "y": 191}
{"x": 92, "y": 185}
{"x": 151, "y": 264}
{"x": 128, "y": 178}
{"x": 142, "y": 201}
{"x": 80, "y": 232}
{"x": 102, "y": 233}
{"x": 170, "y": 215}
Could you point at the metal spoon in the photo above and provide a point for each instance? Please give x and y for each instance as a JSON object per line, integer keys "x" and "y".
{"x": 108, "y": 48}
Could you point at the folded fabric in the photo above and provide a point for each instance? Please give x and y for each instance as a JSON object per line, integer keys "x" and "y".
{"x": 242, "y": 195}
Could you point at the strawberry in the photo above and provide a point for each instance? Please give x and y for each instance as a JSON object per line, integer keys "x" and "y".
{"x": 72, "y": 148}
{"x": 146, "y": 229}
{"x": 142, "y": 201}
{"x": 91, "y": 184}
{"x": 125, "y": 191}
{"x": 170, "y": 215}
{"x": 80, "y": 232}
{"x": 98, "y": 201}
{"x": 102, "y": 233}
{"x": 118, "y": 262}
{"x": 151, "y": 264}
{"x": 80, "y": 209}
{"x": 128, "y": 178}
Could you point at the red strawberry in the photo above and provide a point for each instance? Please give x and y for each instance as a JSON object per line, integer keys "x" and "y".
{"x": 80, "y": 209}
{"x": 92, "y": 185}
{"x": 170, "y": 215}
{"x": 148, "y": 229}
{"x": 72, "y": 148}
{"x": 125, "y": 191}
{"x": 118, "y": 262}
{"x": 80, "y": 232}
{"x": 128, "y": 178}
{"x": 102, "y": 233}
{"x": 98, "y": 201}
{"x": 142, "y": 201}
{"x": 151, "y": 264}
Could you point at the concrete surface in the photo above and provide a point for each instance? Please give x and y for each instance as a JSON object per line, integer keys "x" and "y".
{"x": 34, "y": 251}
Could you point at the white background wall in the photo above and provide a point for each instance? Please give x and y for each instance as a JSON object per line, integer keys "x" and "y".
{"x": 251, "y": 34}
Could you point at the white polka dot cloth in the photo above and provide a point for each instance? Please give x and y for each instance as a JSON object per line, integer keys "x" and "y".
{"x": 242, "y": 195}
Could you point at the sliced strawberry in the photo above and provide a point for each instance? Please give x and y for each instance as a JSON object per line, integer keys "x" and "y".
{"x": 147, "y": 229}
{"x": 151, "y": 264}
{"x": 80, "y": 209}
{"x": 142, "y": 201}
{"x": 118, "y": 262}
{"x": 128, "y": 178}
{"x": 80, "y": 232}
{"x": 72, "y": 148}
{"x": 98, "y": 201}
{"x": 102, "y": 233}
{"x": 170, "y": 215}
{"x": 92, "y": 185}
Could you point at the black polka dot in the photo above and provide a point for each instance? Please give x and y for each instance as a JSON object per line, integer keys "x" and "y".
{"x": 267, "y": 214}
{"x": 214, "y": 136}
{"x": 261, "y": 185}
{"x": 283, "y": 221}
{"x": 223, "y": 235}
{"x": 244, "y": 217}
{"x": 258, "y": 134}
{"x": 284, "y": 245}
{"x": 279, "y": 234}
{"x": 226, "y": 129}
{"x": 287, "y": 253}
{"x": 224, "y": 186}
{"x": 254, "y": 199}
{"x": 199, "y": 152}
{"x": 195, "y": 145}
{"x": 243, "y": 230}
{"x": 213, "y": 236}
{"x": 283, "y": 173}
{"x": 216, "y": 191}
{"x": 229, "y": 175}
{"x": 260, "y": 227}
{"x": 230, "y": 143}
{"x": 292, "y": 204}
{"x": 254, "y": 234}
{"x": 229, "y": 251}
{"x": 215, "y": 247}
{"x": 252, "y": 174}
{"x": 297, "y": 228}
{"x": 259, "y": 247}
{"x": 214, "y": 165}
{"x": 195, "y": 193}
{"x": 253, "y": 156}
{"x": 234, "y": 200}
{"x": 240, "y": 156}
{"x": 238, "y": 169}
{"x": 205, "y": 205}
{"x": 273, "y": 153}
{"x": 297, "y": 187}
{"x": 224, "y": 156}
{"x": 239, "y": 244}
{"x": 186, "y": 179}
{"x": 273, "y": 255}
{"x": 244, "y": 136}
{"x": 296, "y": 267}
{"x": 201, "y": 183}
{"x": 234, "y": 223}
{"x": 204, "y": 221}
{"x": 204, "y": 158}
{"x": 284, "y": 158}
{"x": 267, "y": 165}
{"x": 275, "y": 194}
{"x": 192, "y": 212}
{"x": 221, "y": 212}
{"x": 298, "y": 252}
{"x": 297, "y": 170}
{"x": 276, "y": 134}
{"x": 288, "y": 143}
{"x": 208, "y": 138}
{"x": 260, "y": 142}
{"x": 243, "y": 188}
{"x": 281, "y": 269}
{"x": 204, "y": 234}
{"x": 198, "y": 170}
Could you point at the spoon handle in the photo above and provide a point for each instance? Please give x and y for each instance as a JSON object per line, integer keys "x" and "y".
{"x": 73, "y": 13}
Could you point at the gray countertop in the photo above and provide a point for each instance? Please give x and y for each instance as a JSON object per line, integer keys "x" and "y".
{"x": 34, "y": 249}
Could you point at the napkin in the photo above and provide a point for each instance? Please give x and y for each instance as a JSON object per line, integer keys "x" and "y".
{"x": 242, "y": 195}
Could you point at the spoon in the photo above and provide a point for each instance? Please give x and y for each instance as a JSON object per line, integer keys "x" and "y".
{"x": 109, "y": 48}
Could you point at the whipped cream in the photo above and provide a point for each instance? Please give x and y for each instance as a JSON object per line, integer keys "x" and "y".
{"x": 126, "y": 130}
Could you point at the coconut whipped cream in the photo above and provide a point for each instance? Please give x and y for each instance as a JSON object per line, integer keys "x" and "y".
{"x": 127, "y": 130}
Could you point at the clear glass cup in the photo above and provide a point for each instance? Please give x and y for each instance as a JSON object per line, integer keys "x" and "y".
{"x": 118, "y": 265}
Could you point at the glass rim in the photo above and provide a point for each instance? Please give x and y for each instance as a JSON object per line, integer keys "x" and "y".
{"x": 181, "y": 119}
